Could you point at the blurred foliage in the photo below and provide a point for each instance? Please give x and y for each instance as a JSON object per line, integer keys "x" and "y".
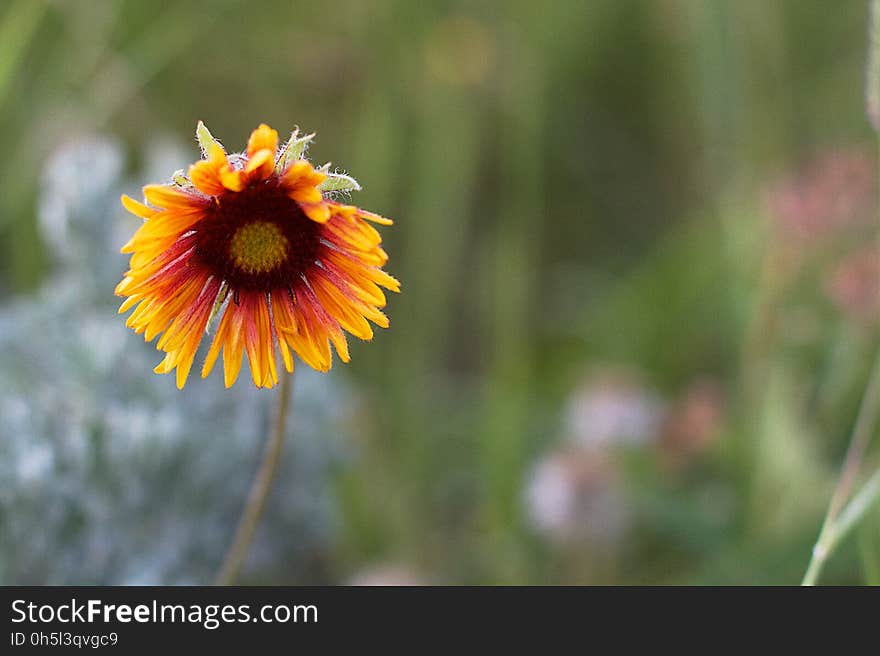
{"x": 577, "y": 186}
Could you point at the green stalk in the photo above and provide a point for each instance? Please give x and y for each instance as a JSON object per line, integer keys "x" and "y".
{"x": 840, "y": 519}
{"x": 256, "y": 503}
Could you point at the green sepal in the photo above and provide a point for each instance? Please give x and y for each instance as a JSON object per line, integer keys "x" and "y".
{"x": 206, "y": 139}
{"x": 293, "y": 150}
{"x": 339, "y": 182}
{"x": 179, "y": 178}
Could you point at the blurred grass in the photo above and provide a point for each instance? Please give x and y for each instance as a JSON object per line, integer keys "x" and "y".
{"x": 574, "y": 183}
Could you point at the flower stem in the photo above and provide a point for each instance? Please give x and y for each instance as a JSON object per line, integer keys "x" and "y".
{"x": 253, "y": 510}
{"x": 839, "y": 520}
{"x": 858, "y": 507}
{"x": 864, "y": 428}
{"x": 835, "y": 531}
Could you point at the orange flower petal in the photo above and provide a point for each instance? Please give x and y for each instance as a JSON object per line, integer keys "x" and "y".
{"x": 171, "y": 197}
{"x": 205, "y": 175}
{"x": 261, "y": 165}
{"x": 137, "y": 208}
{"x": 307, "y": 195}
{"x": 317, "y": 212}
{"x": 302, "y": 174}
{"x": 233, "y": 180}
{"x": 375, "y": 218}
{"x": 263, "y": 138}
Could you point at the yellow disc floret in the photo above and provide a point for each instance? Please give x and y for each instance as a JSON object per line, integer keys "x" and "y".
{"x": 258, "y": 247}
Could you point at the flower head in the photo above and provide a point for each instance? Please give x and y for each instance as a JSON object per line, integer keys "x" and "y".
{"x": 255, "y": 242}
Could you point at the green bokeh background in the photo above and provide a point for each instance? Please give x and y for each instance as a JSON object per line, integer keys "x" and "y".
{"x": 575, "y": 184}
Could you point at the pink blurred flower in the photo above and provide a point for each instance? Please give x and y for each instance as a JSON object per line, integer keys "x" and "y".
{"x": 833, "y": 192}
{"x": 854, "y": 286}
{"x": 694, "y": 423}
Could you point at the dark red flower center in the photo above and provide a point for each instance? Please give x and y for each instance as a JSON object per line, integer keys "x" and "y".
{"x": 257, "y": 239}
